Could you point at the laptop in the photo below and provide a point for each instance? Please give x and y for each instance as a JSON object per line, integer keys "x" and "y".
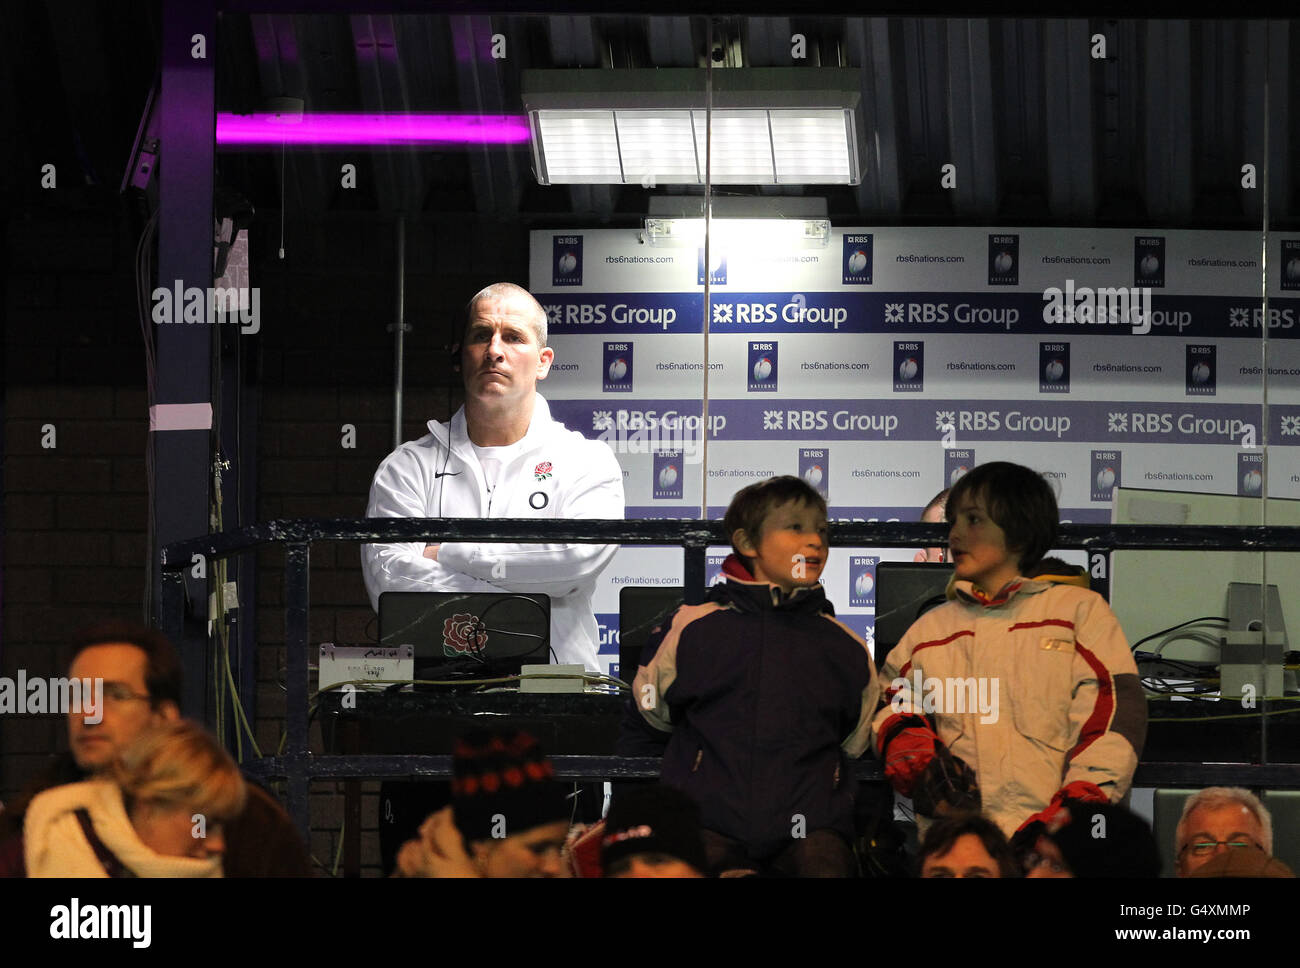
{"x": 459, "y": 635}
{"x": 905, "y": 591}
{"x": 641, "y": 609}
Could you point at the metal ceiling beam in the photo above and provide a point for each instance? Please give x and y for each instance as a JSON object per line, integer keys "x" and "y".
{"x": 496, "y": 174}
{"x": 1168, "y": 123}
{"x": 574, "y": 43}
{"x": 1070, "y": 135}
{"x": 383, "y": 81}
{"x": 672, "y": 42}
{"x": 880, "y": 193}
{"x": 972, "y": 128}
{"x": 281, "y": 72}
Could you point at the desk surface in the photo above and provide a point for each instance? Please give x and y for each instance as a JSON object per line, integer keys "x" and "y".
{"x": 1194, "y": 731}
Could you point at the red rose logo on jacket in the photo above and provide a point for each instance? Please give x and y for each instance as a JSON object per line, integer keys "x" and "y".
{"x": 462, "y": 635}
{"x": 542, "y": 471}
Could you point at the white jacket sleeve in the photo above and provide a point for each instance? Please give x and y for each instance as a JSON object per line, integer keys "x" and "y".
{"x": 399, "y": 490}
{"x": 552, "y": 569}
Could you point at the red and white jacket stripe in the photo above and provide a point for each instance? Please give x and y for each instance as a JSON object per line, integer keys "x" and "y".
{"x": 1034, "y": 689}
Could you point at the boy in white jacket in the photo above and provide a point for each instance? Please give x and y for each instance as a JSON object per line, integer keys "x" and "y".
{"x": 1021, "y": 690}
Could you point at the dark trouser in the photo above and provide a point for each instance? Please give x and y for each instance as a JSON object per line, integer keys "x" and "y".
{"x": 823, "y": 853}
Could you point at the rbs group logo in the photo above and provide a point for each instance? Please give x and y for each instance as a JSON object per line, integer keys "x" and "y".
{"x": 1105, "y": 475}
{"x": 713, "y": 569}
{"x": 717, "y": 271}
{"x": 1250, "y": 474}
{"x": 862, "y": 581}
{"x": 1149, "y": 261}
{"x": 762, "y": 367}
{"x": 1004, "y": 260}
{"x": 616, "y": 373}
{"x": 1290, "y": 263}
{"x": 956, "y": 462}
{"x": 1201, "y": 370}
{"x": 857, "y": 260}
{"x": 909, "y": 366}
{"x": 668, "y": 474}
{"x": 815, "y": 468}
{"x": 1053, "y": 367}
{"x": 566, "y": 260}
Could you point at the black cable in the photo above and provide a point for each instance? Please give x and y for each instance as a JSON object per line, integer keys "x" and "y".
{"x": 532, "y": 635}
{"x": 1174, "y": 628}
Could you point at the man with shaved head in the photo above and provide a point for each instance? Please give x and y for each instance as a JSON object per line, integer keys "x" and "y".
{"x": 501, "y": 456}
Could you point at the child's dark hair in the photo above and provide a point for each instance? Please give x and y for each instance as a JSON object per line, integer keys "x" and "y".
{"x": 751, "y": 505}
{"x": 1020, "y": 502}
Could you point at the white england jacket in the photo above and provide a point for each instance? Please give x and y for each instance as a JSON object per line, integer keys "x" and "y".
{"x": 559, "y": 474}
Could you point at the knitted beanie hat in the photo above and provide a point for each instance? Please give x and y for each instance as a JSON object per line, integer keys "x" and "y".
{"x": 1105, "y": 840}
{"x": 503, "y": 785}
{"x": 654, "y": 819}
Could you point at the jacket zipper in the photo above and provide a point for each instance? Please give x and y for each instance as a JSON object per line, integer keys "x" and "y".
{"x": 699, "y": 755}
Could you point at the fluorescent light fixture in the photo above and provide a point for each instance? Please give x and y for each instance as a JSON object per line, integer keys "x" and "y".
{"x": 739, "y": 223}
{"x": 345, "y": 130}
{"x": 728, "y": 233}
{"x": 770, "y": 126}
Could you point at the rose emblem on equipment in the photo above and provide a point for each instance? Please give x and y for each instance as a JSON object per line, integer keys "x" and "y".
{"x": 463, "y": 634}
{"x": 542, "y": 471}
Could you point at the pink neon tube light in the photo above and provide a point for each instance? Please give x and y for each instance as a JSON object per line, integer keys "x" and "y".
{"x": 371, "y": 129}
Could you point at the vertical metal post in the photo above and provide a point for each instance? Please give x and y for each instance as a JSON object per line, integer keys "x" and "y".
{"x": 181, "y": 423}
{"x": 693, "y": 571}
{"x": 172, "y": 606}
{"x": 399, "y": 334}
{"x": 297, "y": 597}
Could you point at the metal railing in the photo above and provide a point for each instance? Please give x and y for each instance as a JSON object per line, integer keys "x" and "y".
{"x": 298, "y": 766}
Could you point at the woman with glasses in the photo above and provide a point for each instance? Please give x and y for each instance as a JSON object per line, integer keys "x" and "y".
{"x": 158, "y": 811}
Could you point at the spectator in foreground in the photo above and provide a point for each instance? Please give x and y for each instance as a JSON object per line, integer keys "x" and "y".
{"x": 508, "y": 816}
{"x": 1092, "y": 840}
{"x": 966, "y": 845}
{"x": 653, "y": 831}
{"x": 1226, "y": 832}
{"x": 158, "y": 811}
{"x": 141, "y": 673}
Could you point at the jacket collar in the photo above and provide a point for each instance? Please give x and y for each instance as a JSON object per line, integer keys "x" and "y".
{"x": 457, "y": 430}
{"x": 748, "y": 594}
{"x": 966, "y": 591}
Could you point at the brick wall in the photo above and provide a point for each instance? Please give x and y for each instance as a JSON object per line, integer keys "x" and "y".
{"x": 75, "y": 515}
{"x": 74, "y": 512}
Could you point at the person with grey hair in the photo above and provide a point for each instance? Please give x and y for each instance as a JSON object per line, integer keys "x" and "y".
{"x": 1218, "y": 820}
{"x": 501, "y": 455}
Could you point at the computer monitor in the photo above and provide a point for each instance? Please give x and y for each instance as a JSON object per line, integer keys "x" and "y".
{"x": 641, "y": 609}
{"x": 1156, "y": 590}
{"x": 905, "y": 591}
{"x": 474, "y": 634}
